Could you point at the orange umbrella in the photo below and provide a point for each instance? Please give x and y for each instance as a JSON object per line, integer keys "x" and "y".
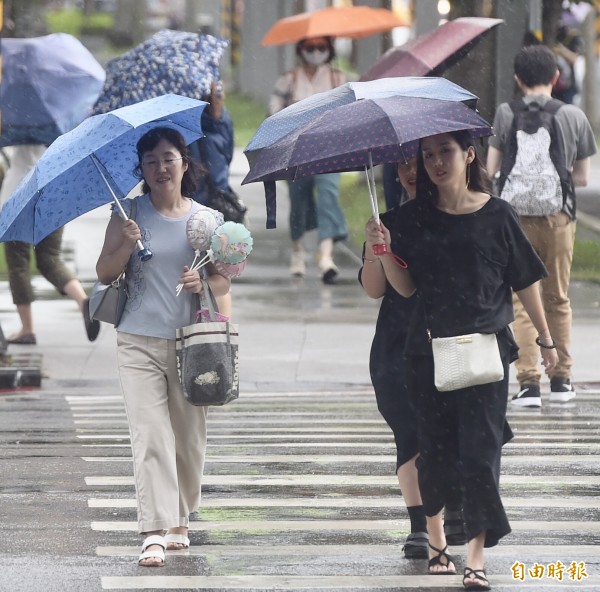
{"x": 351, "y": 21}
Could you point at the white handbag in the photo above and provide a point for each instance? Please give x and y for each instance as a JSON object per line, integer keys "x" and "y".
{"x": 466, "y": 360}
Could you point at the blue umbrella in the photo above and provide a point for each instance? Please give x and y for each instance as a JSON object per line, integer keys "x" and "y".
{"x": 295, "y": 116}
{"x": 49, "y": 86}
{"x": 91, "y": 166}
{"x": 176, "y": 62}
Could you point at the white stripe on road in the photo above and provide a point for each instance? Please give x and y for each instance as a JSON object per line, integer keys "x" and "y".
{"x": 521, "y": 439}
{"x": 262, "y": 526}
{"x": 349, "y": 480}
{"x": 336, "y": 582}
{"x": 593, "y": 448}
{"x": 581, "y": 552}
{"x": 566, "y": 502}
{"x": 536, "y": 461}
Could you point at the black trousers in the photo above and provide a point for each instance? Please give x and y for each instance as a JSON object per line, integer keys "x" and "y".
{"x": 461, "y": 433}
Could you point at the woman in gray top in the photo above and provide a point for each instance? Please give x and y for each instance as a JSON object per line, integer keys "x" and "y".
{"x": 168, "y": 435}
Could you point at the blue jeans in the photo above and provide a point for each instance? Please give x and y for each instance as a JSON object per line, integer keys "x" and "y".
{"x": 315, "y": 204}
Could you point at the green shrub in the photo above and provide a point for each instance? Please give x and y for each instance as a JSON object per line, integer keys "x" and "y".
{"x": 74, "y": 22}
{"x": 586, "y": 261}
{"x": 247, "y": 114}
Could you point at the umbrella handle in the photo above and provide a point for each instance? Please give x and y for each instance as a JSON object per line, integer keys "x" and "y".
{"x": 143, "y": 253}
{"x": 377, "y": 249}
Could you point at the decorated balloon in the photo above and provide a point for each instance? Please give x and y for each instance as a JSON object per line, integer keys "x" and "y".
{"x": 231, "y": 243}
{"x": 201, "y": 226}
{"x": 230, "y": 270}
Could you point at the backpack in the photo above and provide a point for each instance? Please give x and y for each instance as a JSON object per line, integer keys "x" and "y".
{"x": 534, "y": 177}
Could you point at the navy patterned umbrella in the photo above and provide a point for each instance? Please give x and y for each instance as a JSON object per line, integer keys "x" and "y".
{"x": 170, "y": 62}
{"x": 357, "y": 136}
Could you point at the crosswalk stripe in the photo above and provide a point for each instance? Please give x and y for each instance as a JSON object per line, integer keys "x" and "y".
{"x": 567, "y": 502}
{"x": 316, "y": 436}
{"x": 349, "y": 480}
{"x": 507, "y": 461}
{"x": 336, "y": 582}
{"x": 582, "y": 552}
{"x": 583, "y": 528}
{"x": 592, "y": 448}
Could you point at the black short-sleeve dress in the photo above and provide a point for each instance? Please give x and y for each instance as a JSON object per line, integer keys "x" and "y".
{"x": 464, "y": 267}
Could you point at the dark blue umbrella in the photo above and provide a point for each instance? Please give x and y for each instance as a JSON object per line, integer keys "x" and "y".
{"x": 49, "y": 86}
{"x": 175, "y": 62}
{"x": 357, "y": 136}
{"x": 91, "y": 166}
{"x": 295, "y": 116}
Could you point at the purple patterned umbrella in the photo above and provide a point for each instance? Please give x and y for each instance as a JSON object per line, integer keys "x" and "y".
{"x": 358, "y": 135}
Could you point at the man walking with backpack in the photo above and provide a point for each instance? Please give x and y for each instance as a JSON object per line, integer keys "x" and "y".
{"x": 539, "y": 154}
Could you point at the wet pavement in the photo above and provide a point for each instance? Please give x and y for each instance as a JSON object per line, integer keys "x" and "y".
{"x": 299, "y": 491}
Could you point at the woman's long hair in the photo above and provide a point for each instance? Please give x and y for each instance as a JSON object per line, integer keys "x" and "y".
{"x": 149, "y": 141}
{"x": 475, "y": 177}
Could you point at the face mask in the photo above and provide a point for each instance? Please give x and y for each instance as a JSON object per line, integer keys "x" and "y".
{"x": 315, "y": 58}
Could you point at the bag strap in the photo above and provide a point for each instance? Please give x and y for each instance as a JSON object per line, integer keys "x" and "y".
{"x": 206, "y": 298}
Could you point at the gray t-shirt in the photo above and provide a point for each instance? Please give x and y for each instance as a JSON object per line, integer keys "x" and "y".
{"x": 571, "y": 121}
{"x": 153, "y": 309}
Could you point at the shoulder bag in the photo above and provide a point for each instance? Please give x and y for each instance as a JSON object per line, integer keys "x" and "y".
{"x": 207, "y": 356}
{"x": 107, "y": 302}
{"x": 462, "y": 361}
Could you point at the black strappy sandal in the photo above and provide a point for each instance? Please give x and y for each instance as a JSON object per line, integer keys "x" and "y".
{"x": 476, "y": 574}
{"x": 437, "y": 560}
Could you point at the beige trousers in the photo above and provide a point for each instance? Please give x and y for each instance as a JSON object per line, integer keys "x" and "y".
{"x": 553, "y": 238}
{"x": 168, "y": 434}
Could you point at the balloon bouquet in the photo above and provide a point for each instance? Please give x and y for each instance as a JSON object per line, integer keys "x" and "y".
{"x": 226, "y": 244}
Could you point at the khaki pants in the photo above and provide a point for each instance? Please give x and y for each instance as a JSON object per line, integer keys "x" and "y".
{"x": 168, "y": 434}
{"x": 553, "y": 238}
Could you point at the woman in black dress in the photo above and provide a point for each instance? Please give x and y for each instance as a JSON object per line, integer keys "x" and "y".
{"x": 465, "y": 252}
{"x": 388, "y": 374}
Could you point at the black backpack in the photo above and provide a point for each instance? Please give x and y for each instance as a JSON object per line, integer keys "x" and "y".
{"x": 534, "y": 177}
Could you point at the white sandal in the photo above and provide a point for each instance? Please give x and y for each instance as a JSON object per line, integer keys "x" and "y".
{"x": 154, "y": 539}
{"x": 177, "y": 539}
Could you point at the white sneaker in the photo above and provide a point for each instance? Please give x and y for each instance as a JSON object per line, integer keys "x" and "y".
{"x": 528, "y": 396}
{"x": 298, "y": 264}
{"x": 561, "y": 390}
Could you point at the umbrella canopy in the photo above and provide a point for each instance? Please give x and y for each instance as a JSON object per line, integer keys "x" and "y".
{"x": 357, "y": 135}
{"x": 175, "y": 62}
{"x": 341, "y": 139}
{"x": 49, "y": 85}
{"x": 350, "y": 21}
{"x": 86, "y": 167}
{"x": 295, "y": 116}
{"x": 433, "y": 52}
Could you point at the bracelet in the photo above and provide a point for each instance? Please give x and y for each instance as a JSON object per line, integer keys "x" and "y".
{"x": 371, "y": 260}
{"x": 538, "y": 341}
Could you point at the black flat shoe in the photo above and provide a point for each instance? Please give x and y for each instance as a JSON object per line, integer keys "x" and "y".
{"x": 27, "y": 339}
{"x": 92, "y": 327}
{"x": 437, "y": 560}
{"x": 415, "y": 546}
{"x": 478, "y": 580}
